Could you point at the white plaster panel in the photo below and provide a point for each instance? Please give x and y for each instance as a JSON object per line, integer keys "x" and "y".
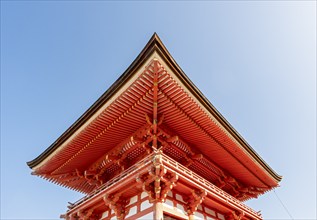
{"x": 168, "y": 206}
{"x": 147, "y": 216}
{"x": 180, "y": 208}
{"x": 200, "y": 208}
{"x": 210, "y": 212}
{"x": 169, "y": 193}
{"x": 169, "y": 202}
{"x": 133, "y": 200}
{"x": 199, "y": 215}
{"x": 179, "y": 198}
{"x": 146, "y": 204}
{"x": 133, "y": 210}
{"x": 143, "y": 195}
{"x": 104, "y": 215}
{"x": 221, "y": 216}
{"x": 210, "y": 218}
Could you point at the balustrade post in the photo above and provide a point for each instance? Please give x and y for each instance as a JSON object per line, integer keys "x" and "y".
{"x": 158, "y": 211}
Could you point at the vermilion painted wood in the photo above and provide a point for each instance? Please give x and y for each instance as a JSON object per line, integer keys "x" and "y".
{"x": 128, "y": 184}
{"x": 159, "y": 135}
{"x": 155, "y": 93}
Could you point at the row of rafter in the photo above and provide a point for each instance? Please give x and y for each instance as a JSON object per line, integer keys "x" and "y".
{"x": 139, "y": 145}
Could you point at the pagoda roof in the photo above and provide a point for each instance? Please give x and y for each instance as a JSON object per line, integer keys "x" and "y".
{"x": 119, "y": 112}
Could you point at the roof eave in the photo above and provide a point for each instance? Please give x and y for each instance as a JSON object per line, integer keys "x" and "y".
{"x": 147, "y": 51}
{"x": 154, "y": 45}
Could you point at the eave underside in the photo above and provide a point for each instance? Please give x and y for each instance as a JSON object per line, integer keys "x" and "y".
{"x": 127, "y": 117}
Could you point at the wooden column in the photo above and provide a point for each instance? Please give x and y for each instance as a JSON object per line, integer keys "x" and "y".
{"x": 191, "y": 217}
{"x": 158, "y": 211}
{"x": 196, "y": 199}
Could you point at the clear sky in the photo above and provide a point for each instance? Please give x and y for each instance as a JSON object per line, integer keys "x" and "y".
{"x": 255, "y": 61}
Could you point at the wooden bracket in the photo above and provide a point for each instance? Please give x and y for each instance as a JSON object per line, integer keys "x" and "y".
{"x": 87, "y": 215}
{"x": 168, "y": 185}
{"x": 157, "y": 183}
{"x": 196, "y": 198}
{"x": 235, "y": 215}
{"x": 145, "y": 183}
{"x": 117, "y": 204}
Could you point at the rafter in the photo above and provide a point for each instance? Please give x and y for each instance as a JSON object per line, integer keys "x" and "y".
{"x": 110, "y": 125}
{"x": 182, "y": 112}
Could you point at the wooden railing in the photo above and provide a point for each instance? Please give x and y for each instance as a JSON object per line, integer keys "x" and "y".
{"x": 173, "y": 166}
{"x": 128, "y": 172}
{"x": 207, "y": 185}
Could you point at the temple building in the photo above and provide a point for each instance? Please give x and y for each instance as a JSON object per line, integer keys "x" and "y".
{"x": 153, "y": 147}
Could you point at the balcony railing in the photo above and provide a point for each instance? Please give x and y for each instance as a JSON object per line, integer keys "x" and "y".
{"x": 120, "y": 177}
{"x": 173, "y": 166}
{"x": 209, "y": 186}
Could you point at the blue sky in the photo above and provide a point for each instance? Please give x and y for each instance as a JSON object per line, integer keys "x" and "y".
{"x": 255, "y": 61}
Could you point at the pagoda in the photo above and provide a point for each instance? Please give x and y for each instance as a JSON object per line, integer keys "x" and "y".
{"x": 153, "y": 147}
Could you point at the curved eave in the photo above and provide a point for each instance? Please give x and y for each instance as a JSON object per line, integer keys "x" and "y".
{"x": 206, "y": 103}
{"x": 154, "y": 45}
{"x": 146, "y": 52}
